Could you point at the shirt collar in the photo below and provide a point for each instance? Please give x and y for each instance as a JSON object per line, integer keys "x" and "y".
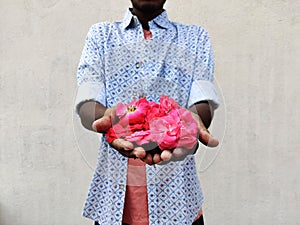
{"x": 131, "y": 20}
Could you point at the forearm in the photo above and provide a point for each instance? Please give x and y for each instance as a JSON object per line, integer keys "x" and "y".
{"x": 204, "y": 111}
{"x": 89, "y": 112}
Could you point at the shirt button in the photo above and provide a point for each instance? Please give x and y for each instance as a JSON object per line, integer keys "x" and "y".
{"x": 138, "y": 65}
{"x": 121, "y": 186}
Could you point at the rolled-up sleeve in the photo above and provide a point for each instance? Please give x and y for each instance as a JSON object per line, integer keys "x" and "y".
{"x": 90, "y": 72}
{"x": 90, "y": 92}
{"x": 203, "y": 86}
{"x": 204, "y": 91}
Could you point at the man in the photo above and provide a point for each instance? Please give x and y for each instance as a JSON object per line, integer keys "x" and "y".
{"x": 145, "y": 55}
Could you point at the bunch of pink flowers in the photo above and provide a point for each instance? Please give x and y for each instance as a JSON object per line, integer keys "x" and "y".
{"x": 164, "y": 124}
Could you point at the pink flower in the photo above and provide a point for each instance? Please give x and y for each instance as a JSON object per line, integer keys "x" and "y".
{"x": 133, "y": 113}
{"x": 154, "y": 111}
{"x": 139, "y": 137}
{"x": 167, "y": 104}
{"x": 137, "y": 127}
{"x": 165, "y": 131}
{"x": 116, "y": 131}
{"x": 149, "y": 124}
{"x": 132, "y": 121}
{"x": 189, "y": 129}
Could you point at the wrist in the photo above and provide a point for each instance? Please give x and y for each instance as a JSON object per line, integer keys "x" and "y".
{"x": 89, "y": 112}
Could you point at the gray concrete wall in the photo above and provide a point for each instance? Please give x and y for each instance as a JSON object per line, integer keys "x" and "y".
{"x": 255, "y": 178}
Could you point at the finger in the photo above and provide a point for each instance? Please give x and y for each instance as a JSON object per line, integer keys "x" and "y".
{"x": 121, "y": 144}
{"x": 112, "y": 112}
{"x": 102, "y": 125}
{"x": 148, "y": 159}
{"x": 156, "y": 158}
{"x": 208, "y": 140}
{"x": 139, "y": 152}
{"x": 179, "y": 154}
{"x": 166, "y": 155}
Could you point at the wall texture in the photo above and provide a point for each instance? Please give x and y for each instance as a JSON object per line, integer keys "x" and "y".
{"x": 255, "y": 179}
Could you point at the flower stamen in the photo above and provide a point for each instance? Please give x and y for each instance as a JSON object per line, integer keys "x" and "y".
{"x": 131, "y": 108}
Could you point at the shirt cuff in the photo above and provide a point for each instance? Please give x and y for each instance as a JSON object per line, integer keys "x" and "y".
{"x": 90, "y": 91}
{"x": 203, "y": 90}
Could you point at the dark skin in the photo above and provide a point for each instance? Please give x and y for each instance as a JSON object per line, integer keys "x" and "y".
{"x": 96, "y": 117}
{"x": 146, "y": 10}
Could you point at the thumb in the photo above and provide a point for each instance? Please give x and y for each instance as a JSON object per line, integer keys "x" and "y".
{"x": 102, "y": 125}
{"x": 207, "y": 139}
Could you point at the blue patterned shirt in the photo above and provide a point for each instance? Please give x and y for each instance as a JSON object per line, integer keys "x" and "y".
{"x": 117, "y": 64}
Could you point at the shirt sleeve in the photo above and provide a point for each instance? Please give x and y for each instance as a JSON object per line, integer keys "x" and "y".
{"x": 90, "y": 71}
{"x": 203, "y": 86}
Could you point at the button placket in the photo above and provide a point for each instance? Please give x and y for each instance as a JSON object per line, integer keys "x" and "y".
{"x": 142, "y": 82}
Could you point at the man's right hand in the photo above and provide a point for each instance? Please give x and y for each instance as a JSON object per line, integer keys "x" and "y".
{"x": 103, "y": 124}
{"x": 124, "y": 147}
